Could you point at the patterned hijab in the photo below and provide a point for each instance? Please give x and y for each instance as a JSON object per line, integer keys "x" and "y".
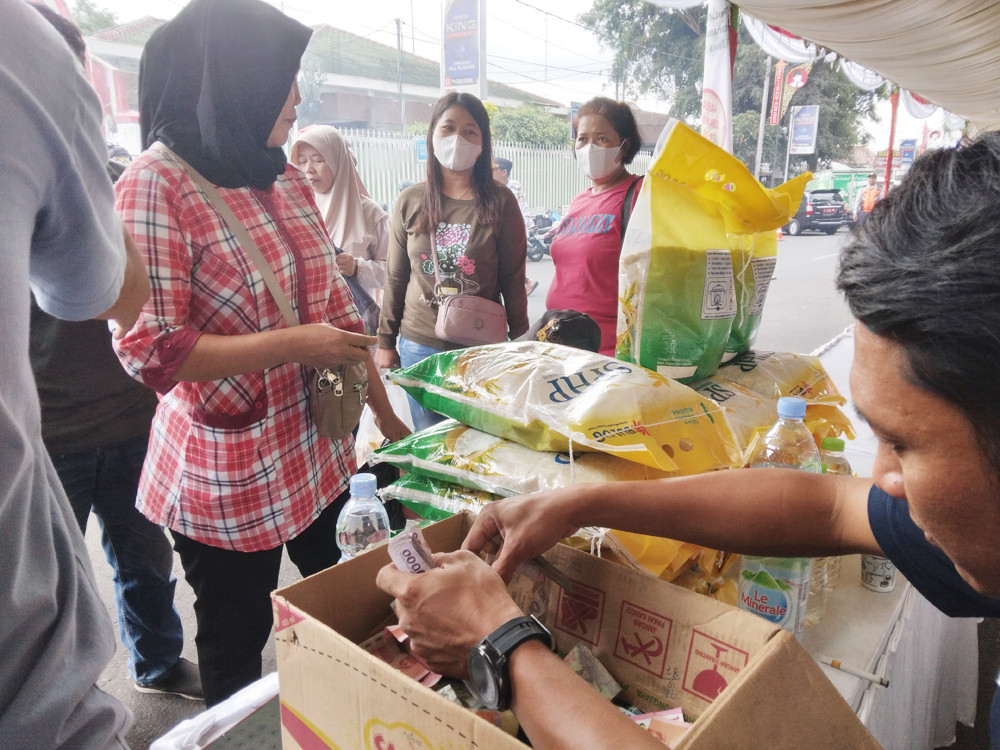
{"x": 212, "y": 83}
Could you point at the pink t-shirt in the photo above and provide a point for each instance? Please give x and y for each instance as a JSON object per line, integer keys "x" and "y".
{"x": 585, "y": 252}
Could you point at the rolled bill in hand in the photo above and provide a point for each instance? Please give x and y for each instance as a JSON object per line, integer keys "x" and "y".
{"x": 409, "y": 552}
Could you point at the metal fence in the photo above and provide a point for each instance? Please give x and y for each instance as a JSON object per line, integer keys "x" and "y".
{"x": 549, "y": 176}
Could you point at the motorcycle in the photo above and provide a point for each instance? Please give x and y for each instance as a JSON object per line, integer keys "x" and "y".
{"x": 540, "y": 235}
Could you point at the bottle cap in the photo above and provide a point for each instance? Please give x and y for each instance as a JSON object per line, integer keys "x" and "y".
{"x": 791, "y": 407}
{"x": 363, "y": 485}
{"x": 832, "y": 444}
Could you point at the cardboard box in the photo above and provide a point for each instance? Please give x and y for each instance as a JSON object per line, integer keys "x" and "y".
{"x": 750, "y": 684}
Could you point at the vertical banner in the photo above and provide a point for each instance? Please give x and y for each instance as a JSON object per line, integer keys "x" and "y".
{"x": 779, "y": 81}
{"x": 463, "y": 47}
{"x": 795, "y": 79}
{"x": 907, "y": 152}
{"x": 717, "y": 88}
{"x": 805, "y": 122}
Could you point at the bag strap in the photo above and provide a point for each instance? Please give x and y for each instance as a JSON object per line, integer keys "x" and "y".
{"x": 434, "y": 255}
{"x": 242, "y": 236}
{"x": 627, "y": 206}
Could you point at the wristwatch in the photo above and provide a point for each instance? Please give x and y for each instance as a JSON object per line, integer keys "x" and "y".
{"x": 488, "y": 672}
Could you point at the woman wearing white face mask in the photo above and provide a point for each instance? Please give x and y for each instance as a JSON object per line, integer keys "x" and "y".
{"x": 479, "y": 235}
{"x": 587, "y": 245}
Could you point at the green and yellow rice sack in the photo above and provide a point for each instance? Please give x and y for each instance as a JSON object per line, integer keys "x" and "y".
{"x": 777, "y": 374}
{"x": 462, "y": 455}
{"x": 434, "y": 499}
{"x": 751, "y": 415}
{"x": 549, "y": 397}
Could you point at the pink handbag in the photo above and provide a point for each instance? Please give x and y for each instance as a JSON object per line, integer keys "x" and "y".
{"x": 465, "y": 318}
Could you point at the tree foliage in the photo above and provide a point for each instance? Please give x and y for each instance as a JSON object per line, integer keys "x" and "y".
{"x": 311, "y": 79}
{"x": 91, "y": 18}
{"x": 660, "y": 52}
{"x": 528, "y": 125}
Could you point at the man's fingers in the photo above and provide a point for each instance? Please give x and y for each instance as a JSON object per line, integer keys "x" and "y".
{"x": 482, "y": 534}
{"x": 391, "y": 580}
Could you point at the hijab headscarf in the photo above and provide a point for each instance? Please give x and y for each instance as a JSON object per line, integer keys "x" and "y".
{"x": 212, "y": 83}
{"x": 342, "y": 207}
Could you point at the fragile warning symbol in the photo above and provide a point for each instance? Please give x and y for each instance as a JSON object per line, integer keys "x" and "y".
{"x": 643, "y": 638}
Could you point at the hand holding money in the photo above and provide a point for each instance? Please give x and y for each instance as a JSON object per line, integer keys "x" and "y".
{"x": 449, "y": 609}
{"x": 410, "y": 553}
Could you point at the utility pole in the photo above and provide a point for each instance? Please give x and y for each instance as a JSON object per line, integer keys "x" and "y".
{"x": 399, "y": 75}
{"x": 763, "y": 117}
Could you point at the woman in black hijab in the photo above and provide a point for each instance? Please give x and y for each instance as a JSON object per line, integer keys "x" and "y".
{"x": 235, "y": 467}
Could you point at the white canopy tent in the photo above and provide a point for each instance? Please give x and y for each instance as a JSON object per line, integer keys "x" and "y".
{"x": 946, "y": 51}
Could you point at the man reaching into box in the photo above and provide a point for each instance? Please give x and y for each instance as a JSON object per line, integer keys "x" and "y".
{"x": 922, "y": 277}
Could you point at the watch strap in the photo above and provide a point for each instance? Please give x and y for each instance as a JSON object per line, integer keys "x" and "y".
{"x": 514, "y": 632}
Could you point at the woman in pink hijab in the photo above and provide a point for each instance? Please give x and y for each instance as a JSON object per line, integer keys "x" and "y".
{"x": 356, "y": 223}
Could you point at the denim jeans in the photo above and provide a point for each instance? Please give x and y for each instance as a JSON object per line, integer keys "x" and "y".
{"x": 410, "y": 352}
{"x": 138, "y": 551}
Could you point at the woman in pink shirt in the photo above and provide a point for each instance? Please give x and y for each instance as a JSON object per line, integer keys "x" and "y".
{"x": 588, "y": 243}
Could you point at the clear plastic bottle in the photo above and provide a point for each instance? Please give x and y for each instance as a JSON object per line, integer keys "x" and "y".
{"x": 363, "y": 521}
{"x": 831, "y": 453}
{"x": 777, "y": 588}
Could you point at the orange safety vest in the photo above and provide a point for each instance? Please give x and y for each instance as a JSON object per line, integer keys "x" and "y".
{"x": 869, "y": 197}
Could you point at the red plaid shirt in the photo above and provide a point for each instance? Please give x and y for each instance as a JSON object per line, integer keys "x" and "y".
{"x": 234, "y": 463}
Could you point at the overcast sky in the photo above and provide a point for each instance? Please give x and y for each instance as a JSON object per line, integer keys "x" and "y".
{"x": 536, "y": 45}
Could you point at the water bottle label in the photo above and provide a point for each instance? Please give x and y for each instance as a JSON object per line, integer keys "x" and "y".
{"x": 777, "y": 598}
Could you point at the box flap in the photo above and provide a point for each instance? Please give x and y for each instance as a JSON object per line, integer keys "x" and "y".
{"x": 782, "y": 700}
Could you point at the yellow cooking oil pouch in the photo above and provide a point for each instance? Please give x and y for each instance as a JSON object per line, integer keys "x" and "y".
{"x": 551, "y": 397}
{"x": 678, "y": 301}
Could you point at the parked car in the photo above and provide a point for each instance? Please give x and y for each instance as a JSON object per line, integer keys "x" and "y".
{"x": 819, "y": 211}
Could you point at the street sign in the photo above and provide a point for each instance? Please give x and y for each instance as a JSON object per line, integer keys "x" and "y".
{"x": 805, "y": 122}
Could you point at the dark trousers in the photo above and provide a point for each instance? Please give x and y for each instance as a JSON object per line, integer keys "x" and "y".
{"x": 233, "y": 599}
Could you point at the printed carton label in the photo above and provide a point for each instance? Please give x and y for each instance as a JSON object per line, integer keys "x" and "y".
{"x": 643, "y": 638}
{"x": 712, "y": 664}
{"x": 580, "y": 614}
{"x": 284, "y": 616}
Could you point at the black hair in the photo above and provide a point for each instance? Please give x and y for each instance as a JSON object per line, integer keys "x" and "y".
{"x": 485, "y": 190}
{"x": 924, "y": 272}
{"x": 68, "y": 30}
{"x": 619, "y": 114}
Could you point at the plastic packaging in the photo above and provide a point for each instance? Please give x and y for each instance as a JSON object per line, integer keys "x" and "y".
{"x": 878, "y": 574}
{"x": 777, "y": 588}
{"x": 834, "y": 462}
{"x": 363, "y": 521}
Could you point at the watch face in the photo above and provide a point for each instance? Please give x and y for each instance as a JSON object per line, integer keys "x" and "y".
{"x": 483, "y": 678}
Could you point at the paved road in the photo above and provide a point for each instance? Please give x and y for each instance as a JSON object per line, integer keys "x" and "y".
{"x": 803, "y": 311}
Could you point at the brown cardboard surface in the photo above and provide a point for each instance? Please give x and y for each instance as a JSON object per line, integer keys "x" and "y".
{"x": 665, "y": 645}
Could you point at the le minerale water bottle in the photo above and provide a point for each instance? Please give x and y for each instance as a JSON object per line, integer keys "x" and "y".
{"x": 363, "y": 521}
{"x": 831, "y": 453}
{"x": 776, "y": 588}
